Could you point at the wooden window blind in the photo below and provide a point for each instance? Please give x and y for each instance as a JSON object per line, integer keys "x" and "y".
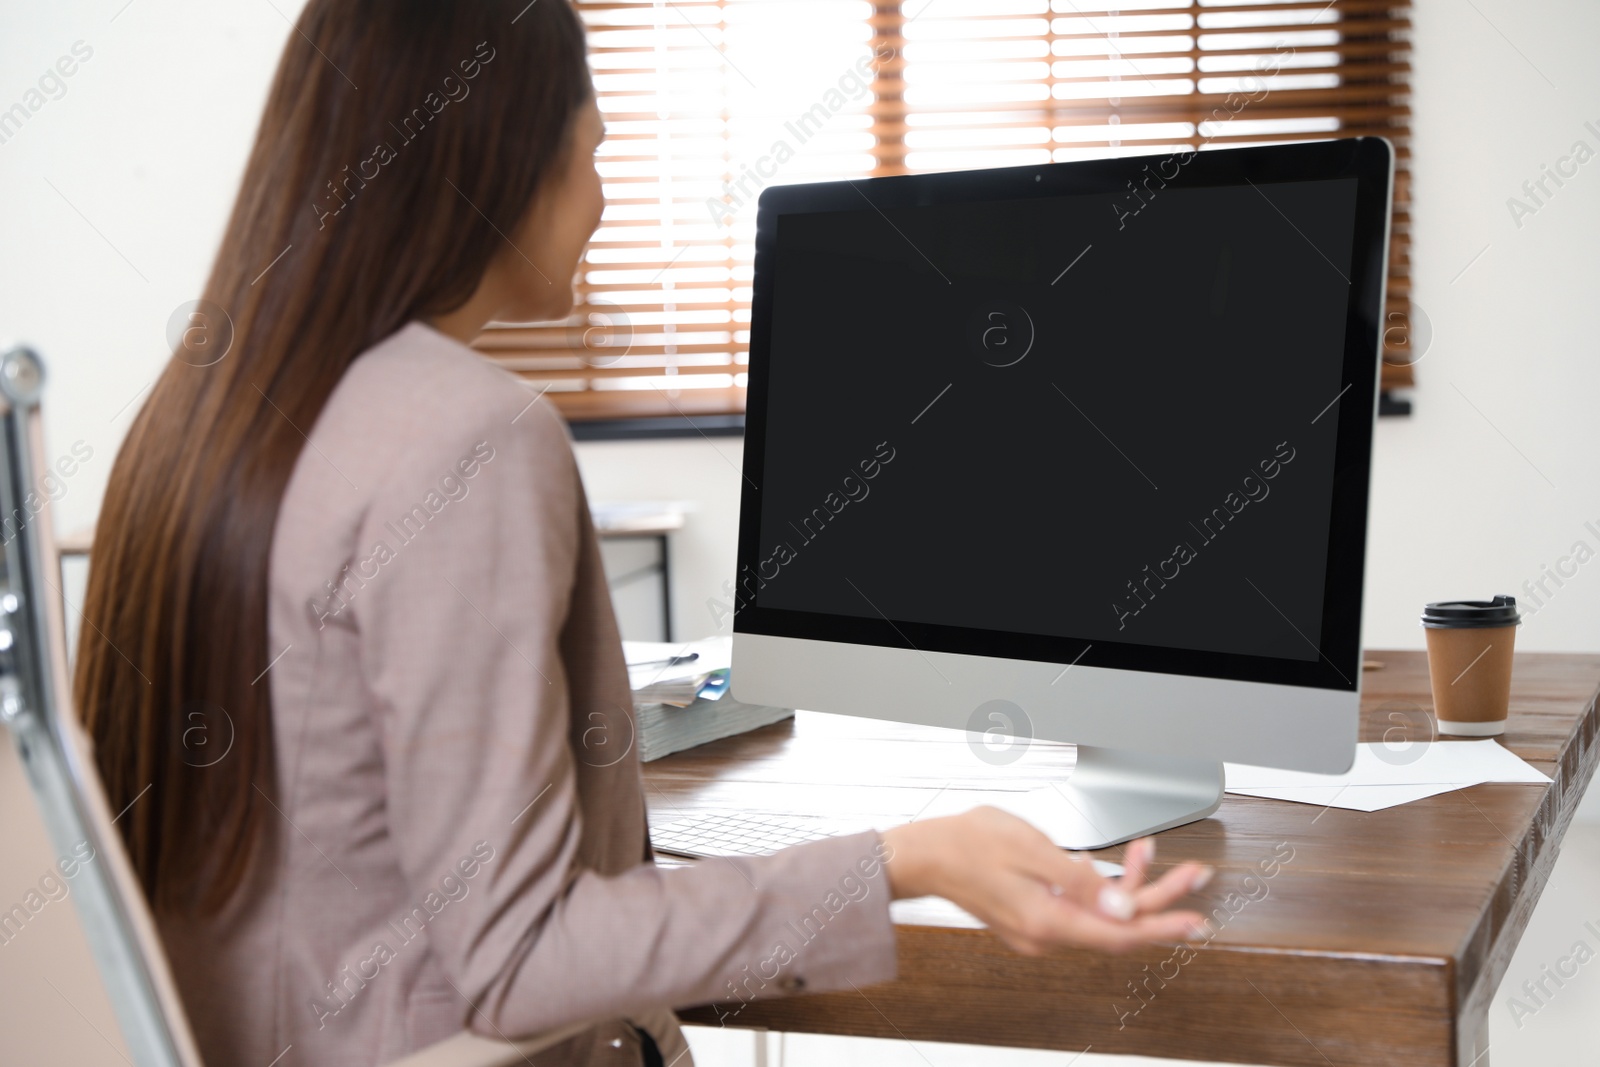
{"x": 708, "y": 101}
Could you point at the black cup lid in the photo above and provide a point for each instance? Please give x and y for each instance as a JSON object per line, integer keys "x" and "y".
{"x": 1471, "y": 614}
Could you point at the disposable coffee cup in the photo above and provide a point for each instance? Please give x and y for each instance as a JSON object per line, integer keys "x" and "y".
{"x": 1469, "y": 663}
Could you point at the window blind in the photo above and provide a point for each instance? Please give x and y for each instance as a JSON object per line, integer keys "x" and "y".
{"x": 708, "y": 102}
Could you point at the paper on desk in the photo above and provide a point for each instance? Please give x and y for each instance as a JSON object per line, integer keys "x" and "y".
{"x": 713, "y": 653}
{"x": 1354, "y": 797}
{"x": 1384, "y": 776}
{"x": 655, "y": 681}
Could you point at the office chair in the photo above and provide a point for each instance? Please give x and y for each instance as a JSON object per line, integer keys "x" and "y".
{"x": 135, "y": 997}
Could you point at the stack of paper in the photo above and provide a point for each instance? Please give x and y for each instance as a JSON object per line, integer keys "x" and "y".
{"x": 664, "y": 729}
{"x": 1384, "y": 776}
{"x": 679, "y": 691}
{"x": 657, "y": 677}
{"x": 680, "y": 705}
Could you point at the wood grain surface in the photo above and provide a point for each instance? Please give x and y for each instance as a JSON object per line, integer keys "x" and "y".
{"x": 1377, "y": 938}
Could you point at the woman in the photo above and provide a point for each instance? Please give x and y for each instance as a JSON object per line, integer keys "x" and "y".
{"x": 349, "y": 630}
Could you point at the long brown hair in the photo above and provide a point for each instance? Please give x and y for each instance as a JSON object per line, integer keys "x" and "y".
{"x": 400, "y": 140}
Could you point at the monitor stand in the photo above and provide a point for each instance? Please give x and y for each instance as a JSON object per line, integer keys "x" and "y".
{"x": 1118, "y": 794}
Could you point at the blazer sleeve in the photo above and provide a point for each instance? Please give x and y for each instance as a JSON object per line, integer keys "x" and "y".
{"x": 462, "y": 650}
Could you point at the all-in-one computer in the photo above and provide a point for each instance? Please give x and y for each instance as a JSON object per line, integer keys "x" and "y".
{"x": 1080, "y": 451}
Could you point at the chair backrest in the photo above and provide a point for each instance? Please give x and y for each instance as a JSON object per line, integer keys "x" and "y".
{"x": 89, "y": 863}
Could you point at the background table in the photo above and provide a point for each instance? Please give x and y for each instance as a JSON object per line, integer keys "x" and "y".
{"x": 649, "y": 521}
{"x": 1380, "y": 941}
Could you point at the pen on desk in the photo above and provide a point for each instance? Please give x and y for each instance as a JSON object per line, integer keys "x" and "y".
{"x": 670, "y": 661}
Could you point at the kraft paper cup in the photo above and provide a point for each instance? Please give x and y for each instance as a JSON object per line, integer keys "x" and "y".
{"x": 1469, "y": 663}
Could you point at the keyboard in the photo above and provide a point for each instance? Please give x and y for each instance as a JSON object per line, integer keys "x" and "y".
{"x": 756, "y": 834}
{"x": 736, "y": 834}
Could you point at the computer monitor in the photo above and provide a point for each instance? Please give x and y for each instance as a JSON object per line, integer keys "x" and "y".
{"x": 1078, "y": 451}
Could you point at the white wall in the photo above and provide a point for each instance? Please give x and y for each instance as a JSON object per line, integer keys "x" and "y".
{"x": 148, "y": 141}
{"x": 144, "y": 151}
{"x": 1463, "y": 500}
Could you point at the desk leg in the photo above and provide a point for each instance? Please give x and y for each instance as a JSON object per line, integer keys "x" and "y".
{"x": 666, "y": 589}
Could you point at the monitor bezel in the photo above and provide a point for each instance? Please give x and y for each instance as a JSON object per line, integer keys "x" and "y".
{"x": 1369, "y": 160}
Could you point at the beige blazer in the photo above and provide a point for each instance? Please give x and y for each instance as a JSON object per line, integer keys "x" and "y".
{"x": 458, "y": 822}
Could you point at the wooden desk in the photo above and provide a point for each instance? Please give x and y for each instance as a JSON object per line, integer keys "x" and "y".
{"x": 1381, "y": 941}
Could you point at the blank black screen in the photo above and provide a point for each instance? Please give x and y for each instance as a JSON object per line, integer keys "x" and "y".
{"x": 1052, "y": 416}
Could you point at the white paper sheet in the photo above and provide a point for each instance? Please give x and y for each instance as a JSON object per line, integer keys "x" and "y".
{"x": 1354, "y": 797}
{"x": 713, "y": 653}
{"x": 1381, "y": 777}
{"x": 656, "y": 681}
{"x": 1385, "y": 776}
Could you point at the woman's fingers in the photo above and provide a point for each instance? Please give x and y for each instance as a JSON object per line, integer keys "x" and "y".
{"x": 1079, "y": 883}
{"x": 1136, "y": 864}
{"x": 1122, "y": 898}
{"x": 1034, "y": 855}
{"x": 1037, "y": 897}
{"x": 1171, "y": 887}
{"x": 1167, "y": 926}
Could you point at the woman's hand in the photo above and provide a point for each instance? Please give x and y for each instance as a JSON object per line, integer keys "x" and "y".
{"x": 1033, "y": 895}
